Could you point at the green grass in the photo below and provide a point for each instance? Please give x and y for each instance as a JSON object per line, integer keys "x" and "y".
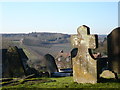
{"x": 64, "y": 82}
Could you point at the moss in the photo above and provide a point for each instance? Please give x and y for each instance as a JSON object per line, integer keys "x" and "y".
{"x": 63, "y": 82}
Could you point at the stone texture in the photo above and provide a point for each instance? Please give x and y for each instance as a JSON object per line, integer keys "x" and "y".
{"x": 50, "y": 64}
{"x": 113, "y": 40}
{"x": 12, "y": 65}
{"x": 107, "y": 74}
{"x": 84, "y": 66}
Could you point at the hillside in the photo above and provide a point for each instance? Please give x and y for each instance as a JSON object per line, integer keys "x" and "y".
{"x": 36, "y": 45}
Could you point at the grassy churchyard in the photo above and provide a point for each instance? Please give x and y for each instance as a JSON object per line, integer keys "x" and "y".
{"x": 63, "y": 82}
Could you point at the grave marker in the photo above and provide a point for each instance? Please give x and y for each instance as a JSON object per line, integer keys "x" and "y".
{"x": 84, "y": 66}
{"x": 50, "y": 64}
{"x": 113, "y": 40}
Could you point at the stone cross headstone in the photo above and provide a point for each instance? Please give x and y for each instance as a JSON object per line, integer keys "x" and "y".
{"x": 84, "y": 66}
{"x": 113, "y": 40}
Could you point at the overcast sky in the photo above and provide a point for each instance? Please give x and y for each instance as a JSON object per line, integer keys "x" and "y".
{"x": 61, "y": 17}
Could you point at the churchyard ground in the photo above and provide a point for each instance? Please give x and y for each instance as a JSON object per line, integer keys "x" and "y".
{"x": 63, "y": 82}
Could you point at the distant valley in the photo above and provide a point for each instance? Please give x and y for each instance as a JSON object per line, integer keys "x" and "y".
{"x": 36, "y": 45}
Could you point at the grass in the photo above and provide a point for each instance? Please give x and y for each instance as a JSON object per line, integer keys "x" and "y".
{"x": 64, "y": 82}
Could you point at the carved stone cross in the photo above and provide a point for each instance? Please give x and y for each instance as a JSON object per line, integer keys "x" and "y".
{"x": 84, "y": 66}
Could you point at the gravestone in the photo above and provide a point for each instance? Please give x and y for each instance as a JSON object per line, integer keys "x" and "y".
{"x": 50, "y": 64}
{"x": 84, "y": 66}
{"x": 113, "y": 40}
{"x": 12, "y": 65}
{"x": 24, "y": 61}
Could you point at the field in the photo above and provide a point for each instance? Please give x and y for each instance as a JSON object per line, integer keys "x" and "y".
{"x": 63, "y": 82}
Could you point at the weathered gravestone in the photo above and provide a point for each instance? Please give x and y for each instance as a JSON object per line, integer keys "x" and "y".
{"x": 84, "y": 66}
{"x": 113, "y": 40}
{"x": 50, "y": 64}
{"x": 24, "y": 60}
{"x": 14, "y": 63}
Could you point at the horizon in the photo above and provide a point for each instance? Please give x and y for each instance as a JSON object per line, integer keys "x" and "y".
{"x": 46, "y": 32}
{"x": 58, "y": 17}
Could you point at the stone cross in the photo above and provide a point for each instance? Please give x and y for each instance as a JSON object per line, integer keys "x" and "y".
{"x": 84, "y": 65}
